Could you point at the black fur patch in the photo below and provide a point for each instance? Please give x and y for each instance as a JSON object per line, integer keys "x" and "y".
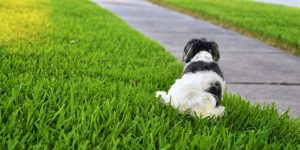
{"x": 216, "y": 90}
{"x": 203, "y": 66}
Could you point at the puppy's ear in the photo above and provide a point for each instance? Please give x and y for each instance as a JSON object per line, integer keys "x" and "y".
{"x": 188, "y": 52}
{"x": 214, "y": 50}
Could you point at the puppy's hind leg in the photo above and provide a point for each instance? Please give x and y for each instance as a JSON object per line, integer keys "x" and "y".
{"x": 165, "y": 97}
{"x": 205, "y": 105}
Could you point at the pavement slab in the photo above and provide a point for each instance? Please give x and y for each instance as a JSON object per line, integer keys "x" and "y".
{"x": 257, "y": 71}
{"x": 293, "y": 3}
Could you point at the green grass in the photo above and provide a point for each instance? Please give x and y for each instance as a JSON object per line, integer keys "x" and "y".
{"x": 81, "y": 79}
{"x": 274, "y": 24}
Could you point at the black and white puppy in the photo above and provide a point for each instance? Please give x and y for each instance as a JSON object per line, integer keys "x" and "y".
{"x": 201, "y": 86}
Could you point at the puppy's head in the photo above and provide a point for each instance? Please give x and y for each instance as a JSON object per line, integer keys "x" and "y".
{"x": 195, "y": 46}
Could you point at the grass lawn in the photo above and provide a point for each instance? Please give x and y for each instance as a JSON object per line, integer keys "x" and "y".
{"x": 74, "y": 76}
{"x": 274, "y": 24}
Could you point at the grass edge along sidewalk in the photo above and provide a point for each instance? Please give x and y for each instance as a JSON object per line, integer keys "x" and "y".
{"x": 274, "y": 24}
{"x": 82, "y": 79}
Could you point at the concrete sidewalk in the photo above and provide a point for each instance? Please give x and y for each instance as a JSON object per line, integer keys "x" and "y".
{"x": 292, "y": 3}
{"x": 251, "y": 68}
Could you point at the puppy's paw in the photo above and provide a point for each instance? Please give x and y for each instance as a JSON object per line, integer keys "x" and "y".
{"x": 161, "y": 94}
{"x": 164, "y": 96}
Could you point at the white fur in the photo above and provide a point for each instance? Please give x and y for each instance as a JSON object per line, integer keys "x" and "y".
{"x": 203, "y": 56}
{"x": 188, "y": 92}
